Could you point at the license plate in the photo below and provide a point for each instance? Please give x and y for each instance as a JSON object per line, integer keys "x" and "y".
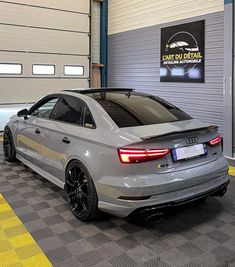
{"x": 188, "y": 152}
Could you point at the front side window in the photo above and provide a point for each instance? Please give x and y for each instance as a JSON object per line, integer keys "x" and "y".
{"x": 70, "y": 110}
{"x": 45, "y": 109}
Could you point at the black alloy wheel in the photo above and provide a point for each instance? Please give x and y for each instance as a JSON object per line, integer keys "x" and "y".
{"x": 8, "y": 146}
{"x": 80, "y": 191}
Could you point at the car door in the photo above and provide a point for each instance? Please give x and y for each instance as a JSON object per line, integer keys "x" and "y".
{"x": 29, "y": 129}
{"x": 59, "y": 137}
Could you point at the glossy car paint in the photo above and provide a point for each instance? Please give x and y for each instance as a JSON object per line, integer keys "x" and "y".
{"x": 97, "y": 150}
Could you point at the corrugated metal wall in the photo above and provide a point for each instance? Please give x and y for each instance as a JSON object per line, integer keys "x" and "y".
{"x": 43, "y": 32}
{"x": 134, "y": 61}
{"x": 134, "y": 14}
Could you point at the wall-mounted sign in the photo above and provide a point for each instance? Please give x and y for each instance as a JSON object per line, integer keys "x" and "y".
{"x": 182, "y": 53}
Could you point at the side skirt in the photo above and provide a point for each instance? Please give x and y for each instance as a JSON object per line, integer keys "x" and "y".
{"x": 43, "y": 173}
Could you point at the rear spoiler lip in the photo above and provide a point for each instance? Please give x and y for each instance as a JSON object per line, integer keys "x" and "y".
{"x": 208, "y": 128}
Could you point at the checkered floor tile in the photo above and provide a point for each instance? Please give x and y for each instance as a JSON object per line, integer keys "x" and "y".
{"x": 17, "y": 247}
{"x": 199, "y": 235}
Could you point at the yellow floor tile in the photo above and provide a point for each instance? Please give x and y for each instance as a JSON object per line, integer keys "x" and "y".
{"x": 37, "y": 261}
{"x": 11, "y": 222}
{"x": 2, "y": 201}
{"x": 18, "y": 264}
{"x": 5, "y": 245}
{"x": 28, "y": 251}
{"x": 232, "y": 171}
{"x": 6, "y": 214}
{"x": 2, "y": 235}
{"x": 21, "y": 240}
{"x": 15, "y": 231}
{"x": 8, "y": 257}
{"x": 5, "y": 207}
{"x": 17, "y": 246}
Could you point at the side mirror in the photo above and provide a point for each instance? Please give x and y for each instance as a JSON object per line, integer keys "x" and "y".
{"x": 23, "y": 113}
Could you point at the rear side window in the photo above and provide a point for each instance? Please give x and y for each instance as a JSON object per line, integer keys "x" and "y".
{"x": 69, "y": 109}
{"x": 88, "y": 118}
{"x": 133, "y": 109}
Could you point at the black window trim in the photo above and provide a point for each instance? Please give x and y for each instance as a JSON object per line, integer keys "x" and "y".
{"x": 60, "y": 100}
{"x": 42, "y": 101}
{"x": 83, "y": 113}
{"x": 60, "y": 97}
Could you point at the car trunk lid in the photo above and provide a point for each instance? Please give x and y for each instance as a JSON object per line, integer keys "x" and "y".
{"x": 192, "y": 135}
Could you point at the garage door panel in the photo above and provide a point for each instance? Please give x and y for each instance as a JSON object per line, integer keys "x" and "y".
{"x": 40, "y": 40}
{"x": 32, "y": 16}
{"x": 28, "y": 59}
{"x": 47, "y": 32}
{"x": 29, "y": 90}
{"x": 71, "y": 5}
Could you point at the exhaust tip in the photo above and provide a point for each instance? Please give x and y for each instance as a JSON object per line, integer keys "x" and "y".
{"x": 155, "y": 217}
{"x": 147, "y": 215}
{"x": 220, "y": 193}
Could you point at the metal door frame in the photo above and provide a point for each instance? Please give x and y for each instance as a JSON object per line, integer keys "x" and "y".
{"x": 228, "y": 89}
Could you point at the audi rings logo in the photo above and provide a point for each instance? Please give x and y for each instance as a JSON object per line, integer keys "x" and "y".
{"x": 192, "y": 140}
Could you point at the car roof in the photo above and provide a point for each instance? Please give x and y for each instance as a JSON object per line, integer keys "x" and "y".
{"x": 97, "y": 90}
{"x": 94, "y": 93}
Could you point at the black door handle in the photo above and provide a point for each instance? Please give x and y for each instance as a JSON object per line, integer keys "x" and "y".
{"x": 37, "y": 131}
{"x": 66, "y": 140}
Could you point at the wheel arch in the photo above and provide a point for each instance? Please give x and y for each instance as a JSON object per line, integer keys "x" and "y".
{"x": 91, "y": 206}
{"x": 74, "y": 158}
{"x": 82, "y": 162}
{"x": 12, "y": 129}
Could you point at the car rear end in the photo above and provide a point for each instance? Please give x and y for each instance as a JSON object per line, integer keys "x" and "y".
{"x": 167, "y": 163}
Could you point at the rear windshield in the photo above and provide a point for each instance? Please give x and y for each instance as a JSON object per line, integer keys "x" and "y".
{"x": 128, "y": 109}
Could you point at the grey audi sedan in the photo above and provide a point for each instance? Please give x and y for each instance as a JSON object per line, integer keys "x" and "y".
{"x": 118, "y": 151}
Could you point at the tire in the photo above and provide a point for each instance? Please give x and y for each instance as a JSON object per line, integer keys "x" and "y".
{"x": 9, "y": 146}
{"x": 80, "y": 191}
{"x": 202, "y": 200}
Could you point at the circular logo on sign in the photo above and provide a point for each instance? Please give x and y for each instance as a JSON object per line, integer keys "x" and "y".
{"x": 183, "y": 51}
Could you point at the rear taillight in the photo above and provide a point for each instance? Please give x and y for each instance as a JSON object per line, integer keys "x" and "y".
{"x": 135, "y": 155}
{"x": 215, "y": 141}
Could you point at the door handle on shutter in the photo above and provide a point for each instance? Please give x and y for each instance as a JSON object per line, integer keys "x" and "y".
{"x": 37, "y": 131}
{"x": 66, "y": 140}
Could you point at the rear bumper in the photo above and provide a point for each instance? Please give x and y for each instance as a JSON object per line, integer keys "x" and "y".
{"x": 218, "y": 191}
{"x": 124, "y": 208}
